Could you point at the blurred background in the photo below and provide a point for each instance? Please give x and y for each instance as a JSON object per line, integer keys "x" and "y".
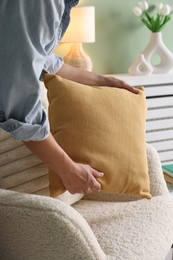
{"x": 119, "y": 35}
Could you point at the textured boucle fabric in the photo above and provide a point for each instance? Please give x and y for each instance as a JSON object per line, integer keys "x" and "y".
{"x": 129, "y": 228}
{"x": 36, "y": 227}
{"x": 138, "y": 230}
{"x": 157, "y": 182}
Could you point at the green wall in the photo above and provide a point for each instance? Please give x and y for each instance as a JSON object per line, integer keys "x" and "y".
{"x": 120, "y": 36}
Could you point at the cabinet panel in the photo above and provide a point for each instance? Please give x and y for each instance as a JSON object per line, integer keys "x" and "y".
{"x": 159, "y": 124}
{"x": 152, "y": 91}
{"x": 166, "y": 156}
{"x": 164, "y": 145}
{"x": 159, "y": 136}
{"x": 160, "y": 102}
{"x": 160, "y": 113}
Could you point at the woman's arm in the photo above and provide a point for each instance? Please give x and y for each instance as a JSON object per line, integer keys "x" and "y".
{"x": 93, "y": 79}
{"x": 77, "y": 178}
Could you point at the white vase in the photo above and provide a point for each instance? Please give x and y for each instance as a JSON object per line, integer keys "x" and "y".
{"x": 156, "y": 46}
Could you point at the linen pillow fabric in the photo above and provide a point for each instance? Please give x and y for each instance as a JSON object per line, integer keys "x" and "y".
{"x": 103, "y": 127}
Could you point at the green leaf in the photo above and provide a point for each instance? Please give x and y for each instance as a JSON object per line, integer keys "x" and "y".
{"x": 157, "y": 22}
{"x": 148, "y": 17}
{"x": 153, "y": 23}
{"x": 166, "y": 19}
{"x": 147, "y": 23}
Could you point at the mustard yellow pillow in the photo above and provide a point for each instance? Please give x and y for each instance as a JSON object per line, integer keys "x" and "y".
{"x": 103, "y": 127}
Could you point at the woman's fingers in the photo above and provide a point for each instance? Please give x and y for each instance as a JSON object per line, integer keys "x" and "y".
{"x": 129, "y": 88}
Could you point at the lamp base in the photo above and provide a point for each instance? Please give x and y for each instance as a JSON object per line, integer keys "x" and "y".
{"x": 78, "y": 58}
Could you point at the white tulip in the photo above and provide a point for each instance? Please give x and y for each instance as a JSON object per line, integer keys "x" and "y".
{"x": 143, "y": 5}
{"x": 159, "y": 7}
{"x": 137, "y": 11}
{"x": 140, "y": 5}
{"x": 166, "y": 9}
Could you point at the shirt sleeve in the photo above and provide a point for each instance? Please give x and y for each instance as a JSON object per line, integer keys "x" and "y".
{"x": 21, "y": 110}
{"x": 53, "y": 63}
{"x": 27, "y": 41}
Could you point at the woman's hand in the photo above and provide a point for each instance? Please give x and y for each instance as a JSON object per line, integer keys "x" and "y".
{"x": 81, "y": 179}
{"x": 77, "y": 178}
{"x": 111, "y": 81}
{"x": 93, "y": 79}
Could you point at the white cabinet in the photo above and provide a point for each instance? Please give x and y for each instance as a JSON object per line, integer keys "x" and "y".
{"x": 159, "y": 125}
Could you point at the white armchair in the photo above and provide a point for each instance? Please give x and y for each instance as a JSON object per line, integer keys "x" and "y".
{"x": 100, "y": 226}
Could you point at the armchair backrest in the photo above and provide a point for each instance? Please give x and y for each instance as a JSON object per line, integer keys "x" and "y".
{"x": 22, "y": 171}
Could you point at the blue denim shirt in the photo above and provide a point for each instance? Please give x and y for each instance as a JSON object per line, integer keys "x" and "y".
{"x": 29, "y": 32}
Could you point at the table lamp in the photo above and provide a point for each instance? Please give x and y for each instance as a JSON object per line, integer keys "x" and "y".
{"x": 81, "y": 30}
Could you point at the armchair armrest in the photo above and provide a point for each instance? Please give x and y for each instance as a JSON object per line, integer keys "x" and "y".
{"x": 157, "y": 181}
{"x": 38, "y": 227}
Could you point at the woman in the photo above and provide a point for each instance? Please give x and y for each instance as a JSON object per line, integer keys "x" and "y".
{"x": 30, "y": 31}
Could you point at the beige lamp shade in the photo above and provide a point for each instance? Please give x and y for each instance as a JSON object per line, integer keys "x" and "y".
{"x": 82, "y": 25}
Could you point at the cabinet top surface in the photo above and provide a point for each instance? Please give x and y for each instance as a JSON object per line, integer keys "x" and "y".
{"x": 152, "y": 79}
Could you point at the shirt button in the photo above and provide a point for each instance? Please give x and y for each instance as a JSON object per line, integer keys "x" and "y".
{"x": 11, "y": 128}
